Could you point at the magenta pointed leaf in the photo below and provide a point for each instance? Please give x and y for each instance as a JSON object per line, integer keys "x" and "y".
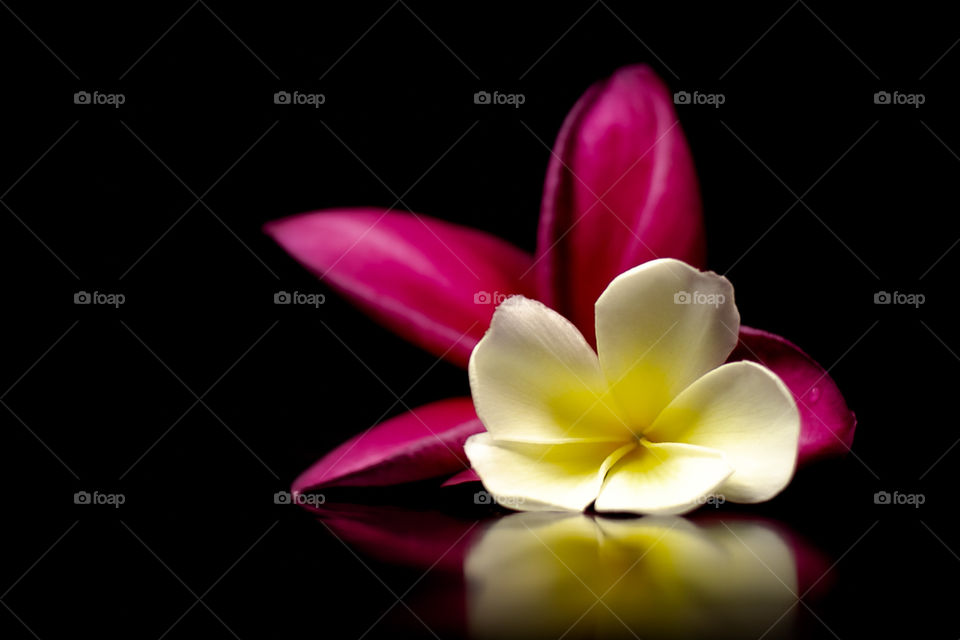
{"x": 423, "y": 443}
{"x": 620, "y": 190}
{"x": 826, "y": 423}
{"x": 432, "y": 282}
{"x": 467, "y": 475}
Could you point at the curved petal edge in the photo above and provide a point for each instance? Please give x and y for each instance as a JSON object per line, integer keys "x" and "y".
{"x": 424, "y": 443}
{"x": 827, "y": 425}
{"x": 620, "y": 189}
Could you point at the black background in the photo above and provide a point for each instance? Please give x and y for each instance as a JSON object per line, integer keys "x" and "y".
{"x": 106, "y": 199}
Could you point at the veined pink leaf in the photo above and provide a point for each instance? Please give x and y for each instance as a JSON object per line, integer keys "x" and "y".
{"x": 423, "y": 443}
{"x": 826, "y": 423}
{"x": 433, "y": 282}
{"x": 467, "y": 475}
{"x": 620, "y": 190}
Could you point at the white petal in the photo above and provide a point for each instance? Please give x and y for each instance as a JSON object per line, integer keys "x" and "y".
{"x": 532, "y": 477}
{"x": 663, "y": 478}
{"x": 660, "y": 326}
{"x": 535, "y": 379}
{"x": 746, "y": 411}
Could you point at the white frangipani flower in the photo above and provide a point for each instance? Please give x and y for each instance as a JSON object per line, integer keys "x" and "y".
{"x": 652, "y": 422}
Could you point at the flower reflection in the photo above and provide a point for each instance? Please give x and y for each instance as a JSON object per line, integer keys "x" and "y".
{"x": 550, "y": 575}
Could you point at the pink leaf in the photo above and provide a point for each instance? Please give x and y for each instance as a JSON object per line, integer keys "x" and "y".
{"x": 424, "y": 443}
{"x": 826, "y": 423}
{"x": 620, "y": 190}
{"x": 433, "y": 282}
{"x": 467, "y": 475}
